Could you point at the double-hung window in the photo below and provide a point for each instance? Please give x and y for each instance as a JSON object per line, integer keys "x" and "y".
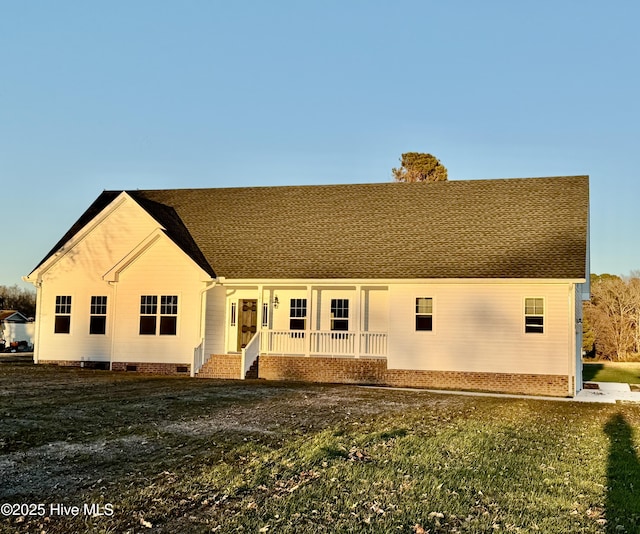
{"x": 98, "y": 315}
{"x": 534, "y": 315}
{"x": 63, "y": 314}
{"x": 167, "y": 317}
{"x": 298, "y": 314}
{"x": 424, "y": 314}
{"x": 340, "y": 314}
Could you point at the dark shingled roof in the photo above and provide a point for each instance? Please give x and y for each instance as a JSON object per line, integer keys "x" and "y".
{"x": 508, "y": 228}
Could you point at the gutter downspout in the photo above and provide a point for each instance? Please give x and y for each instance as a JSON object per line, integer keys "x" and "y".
{"x": 572, "y": 386}
{"x": 38, "y": 285}
{"x": 114, "y": 308}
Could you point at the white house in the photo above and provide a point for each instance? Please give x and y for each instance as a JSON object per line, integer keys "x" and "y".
{"x": 15, "y": 330}
{"x": 463, "y": 284}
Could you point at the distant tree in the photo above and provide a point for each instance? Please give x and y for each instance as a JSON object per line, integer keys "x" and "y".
{"x": 419, "y": 167}
{"x": 634, "y": 295}
{"x": 611, "y": 314}
{"x": 16, "y": 298}
{"x": 588, "y": 335}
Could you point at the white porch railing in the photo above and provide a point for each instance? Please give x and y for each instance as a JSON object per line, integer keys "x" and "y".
{"x": 198, "y": 358}
{"x": 283, "y": 342}
{"x": 320, "y": 342}
{"x": 373, "y": 343}
{"x": 249, "y": 354}
{"x": 343, "y": 343}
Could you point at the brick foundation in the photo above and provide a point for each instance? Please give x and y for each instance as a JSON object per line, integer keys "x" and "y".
{"x": 222, "y": 366}
{"x": 153, "y": 368}
{"x": 374, "y": 371}
{"x": 336, "y": 370}
{"x": 550, "y": 385}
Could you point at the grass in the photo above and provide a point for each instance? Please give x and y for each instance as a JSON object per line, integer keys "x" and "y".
{"x": 181, "y": 455}
{"x": 627, "y": 372}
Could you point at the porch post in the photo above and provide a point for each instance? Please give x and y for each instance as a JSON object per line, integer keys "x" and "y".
{"x": 260, "y": 315}
{"x": 356, "y": 320}
{"x": 307, "y": 324}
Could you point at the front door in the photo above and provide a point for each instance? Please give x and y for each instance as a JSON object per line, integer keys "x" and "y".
{"x": 248, "y": 323}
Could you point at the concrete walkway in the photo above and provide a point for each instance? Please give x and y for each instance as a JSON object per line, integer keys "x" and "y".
{"x": 607, "y": 393}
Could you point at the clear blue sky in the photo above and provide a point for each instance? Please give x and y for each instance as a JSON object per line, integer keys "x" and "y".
{"x": 164, "y": 94}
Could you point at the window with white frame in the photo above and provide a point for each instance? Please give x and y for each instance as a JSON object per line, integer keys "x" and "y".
{"x": 265, "y": 315}
{"x": 168, "y": 315}
{"x": 98, "y": 315}
{"x": 298, "y": 314}
{"x": 340, "y": 314}
{"x": 62, "y": 323}
{"x": 534, "y": 315}
{"x": 150, "y": 318}
{"x": 424, "y": 314}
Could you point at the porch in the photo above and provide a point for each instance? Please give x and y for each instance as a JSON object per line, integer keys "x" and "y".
{"x": 291, "y": 344}
{"x": 323, "y": 343}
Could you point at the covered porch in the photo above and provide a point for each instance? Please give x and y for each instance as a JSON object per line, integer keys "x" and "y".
{"x": 343, "y": 320}
{"x": 311, "y": 320}
{"x": 323, "y": 343}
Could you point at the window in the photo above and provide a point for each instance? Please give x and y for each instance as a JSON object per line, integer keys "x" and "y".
{"x": 98, "y": 317}
{"x": 168, "y": 316}
{"x": 233, "y": 313}
{"x": 63, "y": 315}
{"x": 534, "y": 315}
{"x": 148, "y": 315}
{"x": 298, "y": 314}
{"x": 424, "y": 314}
{"x": 340, "y": 314}
{"x": 265, "y": 315}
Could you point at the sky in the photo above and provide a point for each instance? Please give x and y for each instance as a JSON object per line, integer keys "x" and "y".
{"x": 155, "y": 94}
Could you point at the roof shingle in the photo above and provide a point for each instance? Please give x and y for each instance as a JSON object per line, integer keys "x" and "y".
{"x": 507, "y": 228}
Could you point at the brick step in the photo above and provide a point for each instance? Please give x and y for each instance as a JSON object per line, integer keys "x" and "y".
{"x": 252, "y": 373}
{"x": 221, "y": 366}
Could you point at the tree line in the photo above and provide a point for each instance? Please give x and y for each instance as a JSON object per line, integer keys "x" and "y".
{"x": 19, "y": 299}
{"x": 611, "y": 319}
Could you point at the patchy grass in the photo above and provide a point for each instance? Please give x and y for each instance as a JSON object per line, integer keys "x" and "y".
{"x": 626, "y": 372}
{"x": 181, "y": 455}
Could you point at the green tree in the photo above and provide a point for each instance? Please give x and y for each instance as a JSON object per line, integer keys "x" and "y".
{"x": 419, "y": 167}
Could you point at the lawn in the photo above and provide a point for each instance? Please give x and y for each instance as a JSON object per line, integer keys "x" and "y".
{"x": 180, "y": 455}
{"x": 627, "y": 372}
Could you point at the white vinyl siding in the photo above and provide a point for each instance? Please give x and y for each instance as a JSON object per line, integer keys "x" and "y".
{"x": 160, "y": 269}
{"x": 480, "y": 328}
{"x": 165, "y": 272}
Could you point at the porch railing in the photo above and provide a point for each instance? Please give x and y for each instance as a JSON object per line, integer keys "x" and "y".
{"x": 283, "y": 341}
{"x": 321, "y": 342}
{"x": 198, "y": 358}
{"x": 333, "y": 343}
{"x": 373, "y": 343}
